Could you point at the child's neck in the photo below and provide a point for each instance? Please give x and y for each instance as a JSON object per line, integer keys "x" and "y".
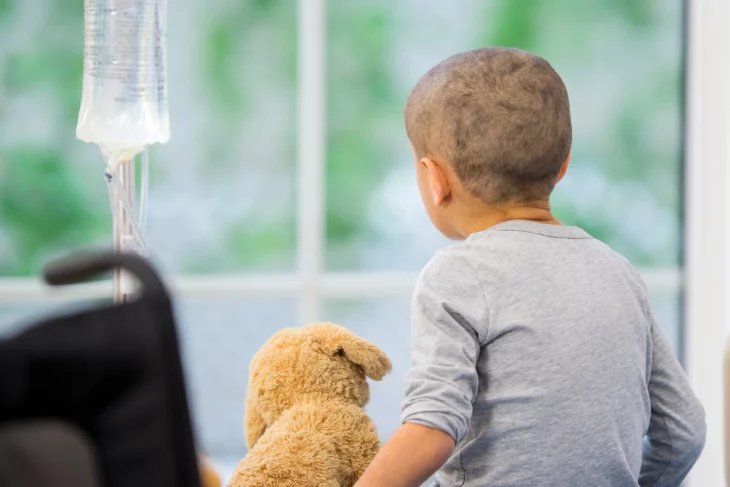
{"x": 489, "y": 216}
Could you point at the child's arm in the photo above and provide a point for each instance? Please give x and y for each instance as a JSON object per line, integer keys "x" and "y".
{"x": 677, "y": 428}
{"x": 409, "y": 458}
{"x": 449, "y": 319}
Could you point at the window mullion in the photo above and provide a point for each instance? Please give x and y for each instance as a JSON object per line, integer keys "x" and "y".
{"x": 310, "y": 163}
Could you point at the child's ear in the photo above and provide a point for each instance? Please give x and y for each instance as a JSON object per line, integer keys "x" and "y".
{"x": 438, "y": 180}
{"x": 336, "y": 339}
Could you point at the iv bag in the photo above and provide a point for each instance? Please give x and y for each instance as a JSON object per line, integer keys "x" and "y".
{"x": 124, "y": 101}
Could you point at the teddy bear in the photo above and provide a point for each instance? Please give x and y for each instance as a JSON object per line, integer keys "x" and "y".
{"x": 304, "y": 420}
{"x": 208, "y": 476}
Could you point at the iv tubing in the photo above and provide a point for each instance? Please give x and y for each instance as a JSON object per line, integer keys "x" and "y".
{"x": 144, "y": 191}
{"x": 117, "y": 195}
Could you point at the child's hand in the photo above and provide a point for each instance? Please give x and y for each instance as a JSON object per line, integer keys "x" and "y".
{"x": 409, "y": 458}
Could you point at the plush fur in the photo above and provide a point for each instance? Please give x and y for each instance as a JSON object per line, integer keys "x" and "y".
{"x": 305, "y": 424}
{"x": 208, "y": 476}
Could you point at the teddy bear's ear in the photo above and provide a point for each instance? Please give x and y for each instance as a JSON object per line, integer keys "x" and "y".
{"x": 338, "y": 340}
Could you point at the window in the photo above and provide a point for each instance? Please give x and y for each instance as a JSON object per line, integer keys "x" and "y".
{"x": 286, "y": 193}
{"x": 708, "y": 219}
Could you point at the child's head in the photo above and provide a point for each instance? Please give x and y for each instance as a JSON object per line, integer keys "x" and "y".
{"x": 489, "y": 128}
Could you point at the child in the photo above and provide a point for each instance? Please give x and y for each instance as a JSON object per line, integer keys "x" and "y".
{"x": 537, "y": 361}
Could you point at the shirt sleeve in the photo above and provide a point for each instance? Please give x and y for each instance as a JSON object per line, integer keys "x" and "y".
{"x": 449, "y": 307}
{"x": 676, "y": 434}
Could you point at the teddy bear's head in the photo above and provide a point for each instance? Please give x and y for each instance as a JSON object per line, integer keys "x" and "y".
{"x": 322, "y": 362}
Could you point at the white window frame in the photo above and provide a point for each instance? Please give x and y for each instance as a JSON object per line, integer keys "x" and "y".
{"x": 707, "y": 211}
{"x": 310, "y": 284}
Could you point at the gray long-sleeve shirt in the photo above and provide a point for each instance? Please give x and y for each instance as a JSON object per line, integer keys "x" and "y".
{"x": 535, "y": 347}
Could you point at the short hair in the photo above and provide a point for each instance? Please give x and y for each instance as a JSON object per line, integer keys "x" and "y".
{"x": 499, "y": 116}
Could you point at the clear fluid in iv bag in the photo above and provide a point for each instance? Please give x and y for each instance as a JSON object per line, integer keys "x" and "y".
{"x": 124, "y": 102}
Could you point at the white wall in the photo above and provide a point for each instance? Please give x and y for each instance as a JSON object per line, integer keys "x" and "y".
{"x": 708, "y": 219}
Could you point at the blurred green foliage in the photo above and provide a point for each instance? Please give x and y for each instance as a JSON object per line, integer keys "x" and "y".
{"x": 50, "y": 193}
{"x": 232, "y": 44}
{"x": 360, "y": 95}
{"x": 62, "y": 210}
{"x": 588, "y": 41}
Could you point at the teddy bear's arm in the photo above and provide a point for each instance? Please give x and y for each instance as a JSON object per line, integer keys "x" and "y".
{"x": 254, "y": 423}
